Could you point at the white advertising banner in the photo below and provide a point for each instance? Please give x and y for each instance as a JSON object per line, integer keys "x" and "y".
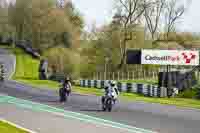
{"x": 170, "y": 57}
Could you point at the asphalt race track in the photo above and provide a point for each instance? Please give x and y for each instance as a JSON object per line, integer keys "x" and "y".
{"x": 154, "y": 117}
{"x": 9, "y": 61}
{"x": 43, "y": 122}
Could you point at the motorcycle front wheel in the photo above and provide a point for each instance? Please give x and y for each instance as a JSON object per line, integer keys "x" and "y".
{"x": 109, "y": 104}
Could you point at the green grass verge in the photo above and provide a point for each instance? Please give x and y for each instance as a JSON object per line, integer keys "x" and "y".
{"x": 180, "y": 102}
{"x": 6, "y": 128}
{"x": 26, "y": 66}
{"x": 140, "y": 81}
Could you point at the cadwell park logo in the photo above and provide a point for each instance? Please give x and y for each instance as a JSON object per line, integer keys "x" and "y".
{"x": 187, "y": 57}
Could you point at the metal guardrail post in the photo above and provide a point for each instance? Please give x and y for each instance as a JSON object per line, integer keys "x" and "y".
{"x": 2, "y": 72}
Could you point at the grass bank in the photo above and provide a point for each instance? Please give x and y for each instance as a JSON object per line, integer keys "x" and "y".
{"x": 140, "y": 81}
{"x": 7, "y": 128}
{"x": 26, "y": 66}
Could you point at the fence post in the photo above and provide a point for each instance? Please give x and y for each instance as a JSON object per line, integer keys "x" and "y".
{"x": 118, "y": 75}
{"x": 156, "y": 76}
{"x": 196, "y": 74}
{"x": 153, "y": 75}
{"x": 144, "y": 77}
{"x": 99, "y": 75}
{"x": 138, "y": 74}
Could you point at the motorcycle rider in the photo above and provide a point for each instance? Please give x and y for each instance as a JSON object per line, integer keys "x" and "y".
{"x": 111, "y": 88}
{"x": 66, "y": 88}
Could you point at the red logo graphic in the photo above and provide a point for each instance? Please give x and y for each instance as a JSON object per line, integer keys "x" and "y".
{"x": 188, "y": 58}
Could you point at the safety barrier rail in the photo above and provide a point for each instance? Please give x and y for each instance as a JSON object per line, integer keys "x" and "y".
{"x": 144, "y": 89}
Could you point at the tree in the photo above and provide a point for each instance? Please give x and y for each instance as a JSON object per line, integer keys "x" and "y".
{"x": 129, "y": 13}
{"x": 5, "y": 28}
{"x": 153, "y": 16}
{"x": 20, "y": 17}
{"x": 3, "y": 18}
{"x": 63, "y": 60}
{"x": 173, "y": 13}
{"x": 44, "y": 24}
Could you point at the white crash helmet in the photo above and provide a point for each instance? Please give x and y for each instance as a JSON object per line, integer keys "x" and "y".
{"x": 113, "y": 83}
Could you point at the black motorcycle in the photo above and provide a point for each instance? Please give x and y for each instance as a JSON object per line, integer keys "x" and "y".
{"x": 64, "y": 93}
{"x": 108, "y": 102}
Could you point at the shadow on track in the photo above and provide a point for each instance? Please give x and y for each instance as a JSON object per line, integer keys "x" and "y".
{"x": 91, "y": 110}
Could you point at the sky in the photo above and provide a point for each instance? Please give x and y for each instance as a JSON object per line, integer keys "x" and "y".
{"x": 99, "y": 11}
{"x": 95, "y": 11}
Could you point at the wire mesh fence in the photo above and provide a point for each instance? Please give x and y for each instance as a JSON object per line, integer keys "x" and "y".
{"x": 130, "y": 75}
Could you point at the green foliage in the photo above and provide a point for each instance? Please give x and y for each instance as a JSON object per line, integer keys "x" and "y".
{"x": 191, "y": 93}
{"x": 188, "y": 94}
{"x": 42, "y": 23}
{"x": 198, "y": 92}
{"x": 63, "y": 60}
{"x": 66, "y": 39}
{"x": 139, "y": 81}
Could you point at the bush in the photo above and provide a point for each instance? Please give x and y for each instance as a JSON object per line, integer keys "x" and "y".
{"x": 64, "y": 61}
{"x": 198, "y": 93}
{"x": 188, "y": 94}
{"x": 194, "y": 92}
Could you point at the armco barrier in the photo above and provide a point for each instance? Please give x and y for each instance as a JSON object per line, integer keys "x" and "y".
{"x": 99, "y": 84}
{"x": 2, "y": 72}
{"x": 89, "y": 83}
{"x": 147, "y": 90}
{"x": 95, "y": 83}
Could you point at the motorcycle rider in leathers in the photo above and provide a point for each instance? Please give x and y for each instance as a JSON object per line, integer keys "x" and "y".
{"x": 111, "y": 89}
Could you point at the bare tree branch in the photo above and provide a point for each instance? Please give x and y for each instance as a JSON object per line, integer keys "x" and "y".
{"x": 122, "y": 2}
{"x": 153, "y": 14}
{"x": 131, "y": 12}
{"x": 173, "y": 13}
